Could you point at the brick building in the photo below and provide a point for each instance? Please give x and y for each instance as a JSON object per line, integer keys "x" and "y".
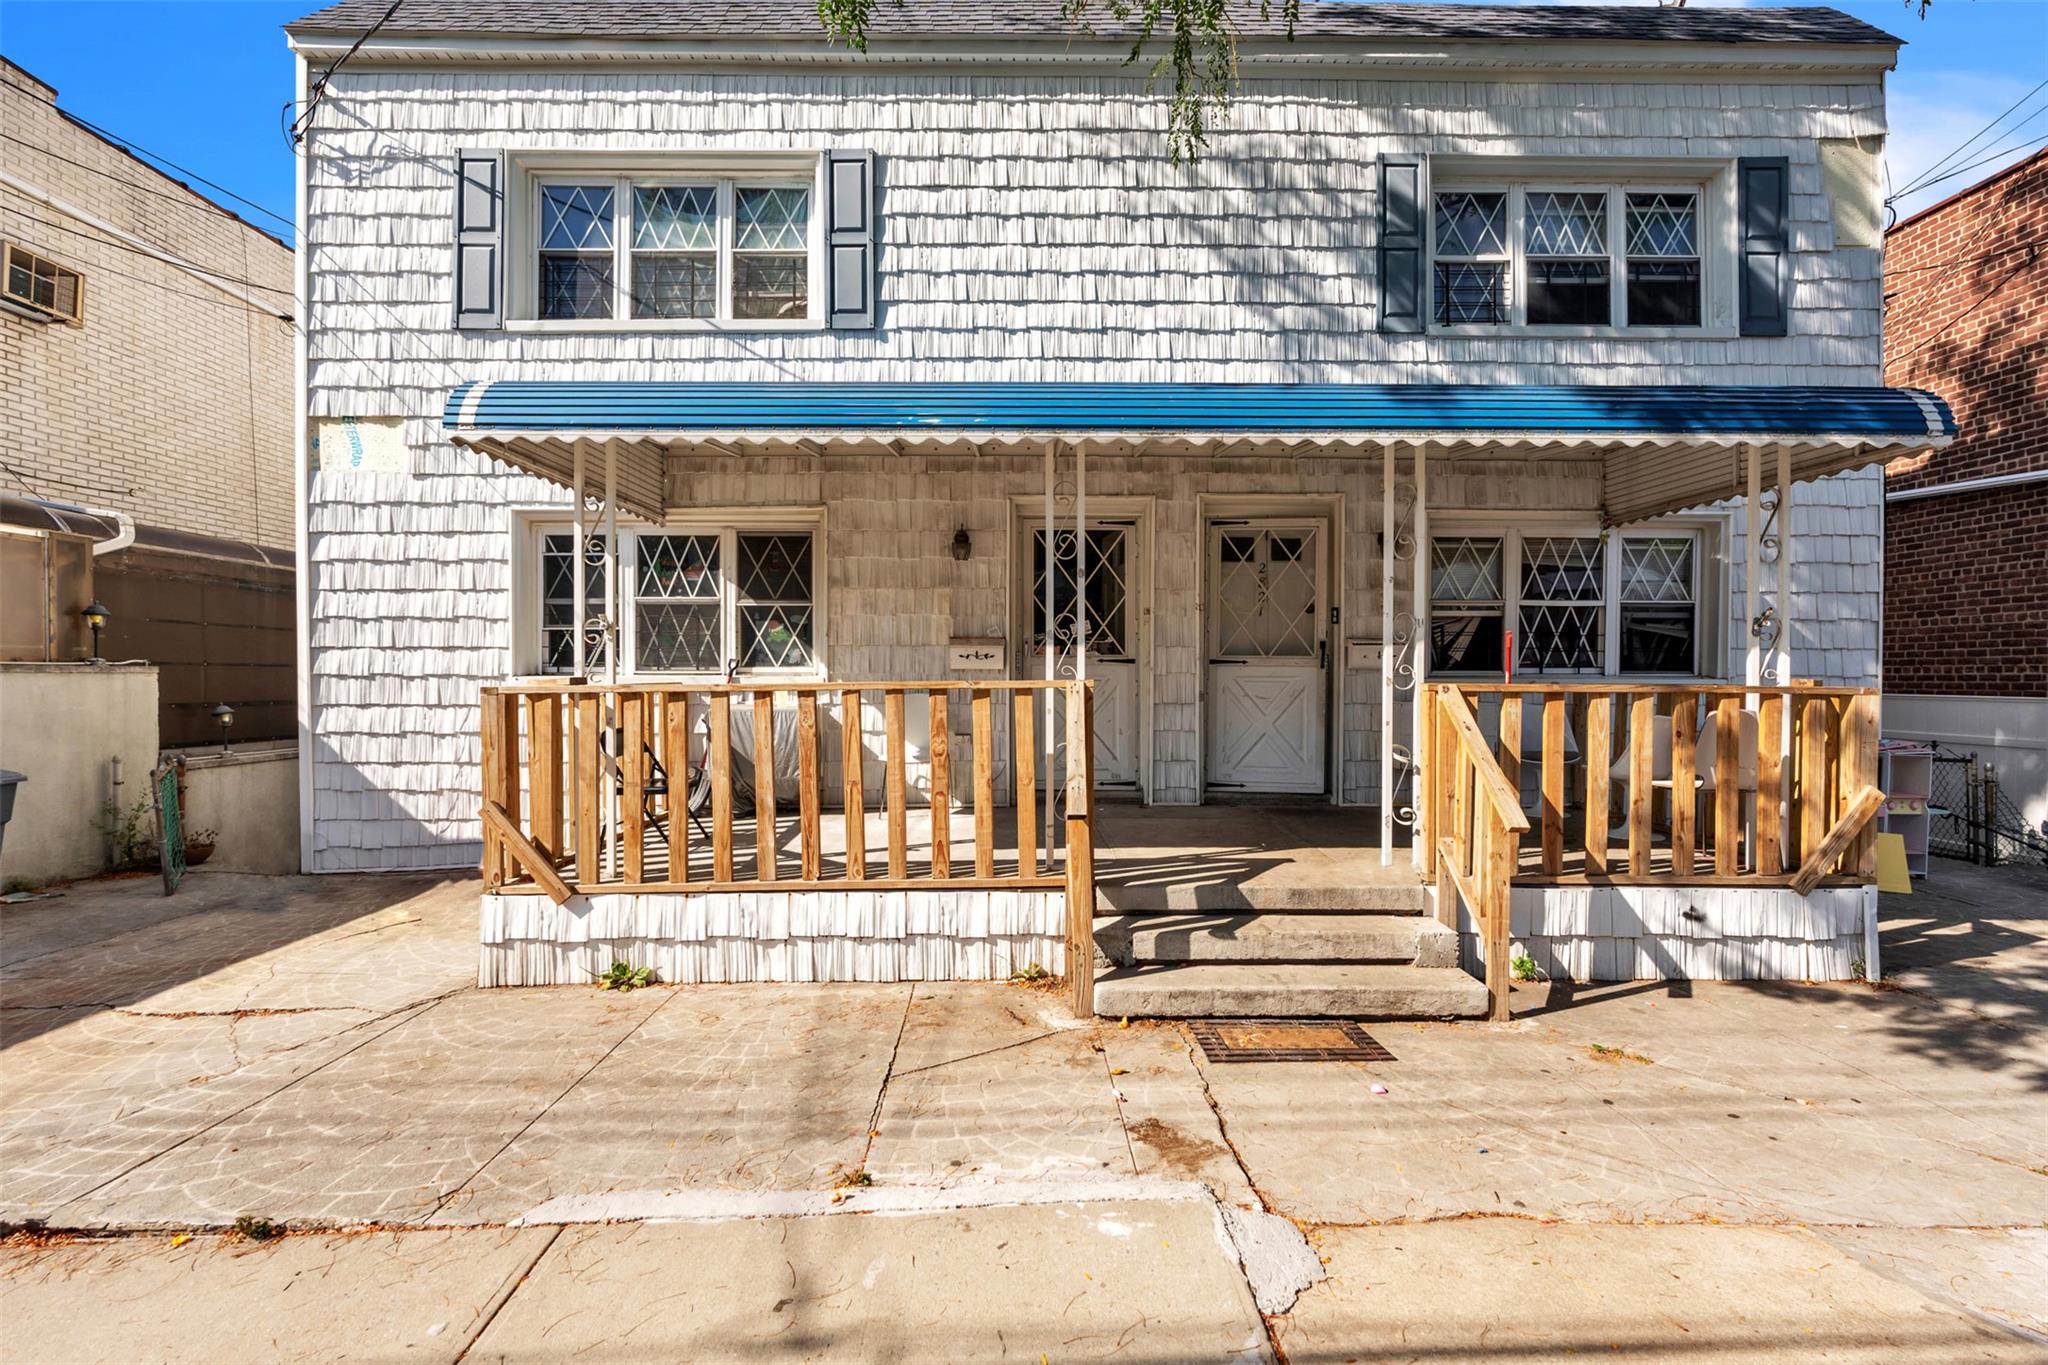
{"x": 146, "y": 351}
{"x": 1966, "y": 528}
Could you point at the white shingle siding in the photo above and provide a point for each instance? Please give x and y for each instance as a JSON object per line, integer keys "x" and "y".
{"x": 1032, "y": 229}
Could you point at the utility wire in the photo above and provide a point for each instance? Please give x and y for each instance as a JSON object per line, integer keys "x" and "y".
{"x": 1985, "y": 160}
{"x": 142, "y": 153}
{"x": 191, "y": 198}
{"x": 299, "y": 125}
{"x": 101, "y": 239}
{"x": 1975, "y": 304}
{"x": 1917, "y": 181}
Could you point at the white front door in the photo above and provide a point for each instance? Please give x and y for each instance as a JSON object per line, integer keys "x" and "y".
{"x": 1268, "y": 655}
{"x": 1114, "y": 619}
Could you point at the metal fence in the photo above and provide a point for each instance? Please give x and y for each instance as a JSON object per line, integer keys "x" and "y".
{"x": 1973, "y": 819}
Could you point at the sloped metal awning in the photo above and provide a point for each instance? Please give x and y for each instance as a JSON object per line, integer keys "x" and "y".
{"x": 1664, "y": 448}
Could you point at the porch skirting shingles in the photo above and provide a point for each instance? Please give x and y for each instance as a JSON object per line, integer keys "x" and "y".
{"x": 1649, "y": 933}
{"x": 957, "y": 935}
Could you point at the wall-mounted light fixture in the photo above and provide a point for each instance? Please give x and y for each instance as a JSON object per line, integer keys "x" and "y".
{"x": 963, "y": 545}
{"x": 224, "y": 716}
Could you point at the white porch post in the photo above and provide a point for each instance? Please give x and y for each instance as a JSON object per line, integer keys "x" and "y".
{"x": 1080, "y": 559}
{"x": 1785, "y": 567}
{"x": 1420, "y": 835}
{"x": 1386, "y": 655}
{"x": 580, "y": 533}
{"x": 611, "y": 563}
{"x": 1753, "y": 657}
{"x": 1051, "y": 658}
{"x": 614, "y": 846}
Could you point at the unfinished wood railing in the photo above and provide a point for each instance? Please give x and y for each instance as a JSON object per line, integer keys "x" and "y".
{"x": 1478, "y": 825}
{"x": 658, "y": 788}
{"x": 1631, "y": 785}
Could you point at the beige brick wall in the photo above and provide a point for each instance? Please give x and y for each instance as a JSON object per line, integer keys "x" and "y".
{"x": 172, "y": 402}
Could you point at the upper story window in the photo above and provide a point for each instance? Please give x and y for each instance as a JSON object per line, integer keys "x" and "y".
{"x": 674, "y": 249}
{"x": 40, "y": 285}
{"x": 1624, "y": 603}
{"x": 1573, "y": 257}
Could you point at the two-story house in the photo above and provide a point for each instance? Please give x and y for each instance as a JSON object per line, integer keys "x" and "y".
{"x": 751, "y": 476}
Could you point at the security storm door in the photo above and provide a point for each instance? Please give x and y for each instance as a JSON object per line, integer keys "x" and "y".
{"x": 1268, "y": 655}
{"x": 1113, "y": 622}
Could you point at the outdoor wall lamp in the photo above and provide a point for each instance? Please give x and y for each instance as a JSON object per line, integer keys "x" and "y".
{"x": 963, "y": 545}
{"x": 96, "y": 617}
{"x": 224, "y": 716}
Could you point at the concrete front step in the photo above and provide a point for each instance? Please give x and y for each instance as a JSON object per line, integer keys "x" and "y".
{"x": 1274, "y": 990}
{"x": 1398, "y": 893}
{"x": 1255, "y": 937}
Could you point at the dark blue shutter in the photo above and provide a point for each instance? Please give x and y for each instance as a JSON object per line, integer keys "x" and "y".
{"x": 1403, "y": 256}
{"x": 1764, "y": 186}
{"x": 479, "y": 238}
{"x": 850, "y": 238}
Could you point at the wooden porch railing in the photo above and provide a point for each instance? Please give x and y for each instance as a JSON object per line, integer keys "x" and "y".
{"x": 642, "y": 788}
{"x": 1478, "y": 823}
{"x": 1631, "y": 786}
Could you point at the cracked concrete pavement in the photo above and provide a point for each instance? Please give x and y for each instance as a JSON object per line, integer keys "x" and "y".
{"x": 960, "y": 1170}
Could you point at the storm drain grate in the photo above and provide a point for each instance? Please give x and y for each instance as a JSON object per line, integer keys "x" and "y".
{"x": 1286, "y": 1040}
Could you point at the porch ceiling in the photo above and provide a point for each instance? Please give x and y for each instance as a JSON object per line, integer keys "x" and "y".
{"x": 1664, "y": 449}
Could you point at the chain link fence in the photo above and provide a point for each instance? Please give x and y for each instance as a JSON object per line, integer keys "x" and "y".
{"x": 1973, "y": 819}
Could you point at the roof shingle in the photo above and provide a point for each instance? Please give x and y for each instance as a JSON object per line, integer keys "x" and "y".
{"x": 1321, "y": 20}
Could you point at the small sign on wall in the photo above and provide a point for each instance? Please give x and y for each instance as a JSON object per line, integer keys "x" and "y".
{"x": 975, "y": 656}
{"x": 373, "y": 445}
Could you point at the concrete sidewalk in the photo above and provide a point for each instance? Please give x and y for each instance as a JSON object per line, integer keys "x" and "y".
{"x": 959, "y": 1171}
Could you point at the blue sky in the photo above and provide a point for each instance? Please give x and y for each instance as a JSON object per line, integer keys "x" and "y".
{"x": 202, "y": 83}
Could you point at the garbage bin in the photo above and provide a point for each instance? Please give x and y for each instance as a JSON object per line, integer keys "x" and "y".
{"x": 9, "y": 780}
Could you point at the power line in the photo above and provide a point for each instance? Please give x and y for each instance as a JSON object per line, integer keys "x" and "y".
{"x": 297, "y": 131}
{"x": 1917, "y": 181}
{"x": 1984, "y": 160}
{"x": 99, "y": 237}
{"x": 191, "y": 198}
{"x": 143, "y": 153}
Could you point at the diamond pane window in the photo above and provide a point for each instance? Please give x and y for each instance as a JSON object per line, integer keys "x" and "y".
{"x": 1565, "y": 237}
{"x": 558, "y": 599}
{"x": 1467, "y": 610}
{"x": 1658, "y": 607}
{"x": 1471, "y": 269}
{"x": 1663, "y": 260}
{"x": 675, "y": 218}
{"x": 675, "y": 286}
{"x": 771, "y": 262}
{"x": 771, "y": 286}
{"x": 1108, "y": 598}
{"x": 775, "y": 600}
{"x": 576, "y": 218}
{"x": 1563, "y": 621}
{"x": 678, "y": 604}
{"x": 771, "y": 219}
{"x": 1266, "y": 588}
{"x": 577, "y": 273}
{"x": 1566, "y": 224}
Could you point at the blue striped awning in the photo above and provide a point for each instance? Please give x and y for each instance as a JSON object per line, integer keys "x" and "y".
{"x": 1879, "y": 415}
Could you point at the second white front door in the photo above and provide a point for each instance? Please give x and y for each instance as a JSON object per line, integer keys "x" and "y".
{"x": 1268, "y": 655}
{"x": 1114, "y": 621}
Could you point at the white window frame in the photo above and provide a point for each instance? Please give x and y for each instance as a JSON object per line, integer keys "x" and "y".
{"x": 1712, "y": 184}
{"x": 1709, "y": 605}
{"x": 37, "y": 263}
{"x": 534, "y": 525}
{"x": 804, "y": 171}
